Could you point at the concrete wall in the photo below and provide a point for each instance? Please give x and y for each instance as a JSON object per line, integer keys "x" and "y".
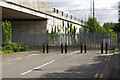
{"x": 38, "y": 27}
{"x": 52, "y": 22}
{"x": 29, "y": 27}
{"x": 34, "y": 4}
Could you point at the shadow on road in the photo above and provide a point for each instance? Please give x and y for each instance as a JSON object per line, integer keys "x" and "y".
{"x": 89, "y": 70}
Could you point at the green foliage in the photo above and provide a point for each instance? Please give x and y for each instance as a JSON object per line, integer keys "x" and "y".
{"x": 6, "y": 31}
{"x": 75, "y": 29}
{"x": 116, "y": 28}
{"x": 69, "y": 29}
{"x": 114, "y": 47}
{"x": 80, "y": 30}
{"x": 55, "y": 30}
{"x": 17, "y": 47}
{"x": 7, "y": 45}
{"x": 13, "y": 47}
{"x": 52, "y": 31}
{"x": 58, "y": 29}
{"x": 68, "y": 25}
{"x": 97, "y": 27}
{"x": 109, "y": 27}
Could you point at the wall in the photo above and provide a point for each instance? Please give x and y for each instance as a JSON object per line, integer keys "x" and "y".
{"x": 38, "y": 27}
{"x": 52, "y": 22}
{"x": 29, "y": 27}
{"x": 34, "y": 4}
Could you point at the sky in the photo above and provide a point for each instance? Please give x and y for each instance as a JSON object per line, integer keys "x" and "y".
{"x": 105, "y": 10}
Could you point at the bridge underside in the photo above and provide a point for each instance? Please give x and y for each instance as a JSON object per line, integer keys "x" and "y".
{"x": 13, "y": 14}
{"x": 24, "y": 23}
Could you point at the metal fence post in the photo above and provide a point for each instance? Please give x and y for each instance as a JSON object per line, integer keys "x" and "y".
{"x": 65, "y": 47}
{"x": 101, "y": 47}
{"x": 61, "y": 47}
{"x": 81, "y": 47}
{"x": 106, "y": 47}
{"x": 43, "y": 48}
{"x": 47, "y": 48}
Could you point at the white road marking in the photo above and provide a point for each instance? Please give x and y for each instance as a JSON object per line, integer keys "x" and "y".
{"x": 26, "y": 72}
{"x": 75, "y": 52}
{"x": 94, "y": 62}
{"x": 45, "y": 64}
{"x": 37, "y": 67}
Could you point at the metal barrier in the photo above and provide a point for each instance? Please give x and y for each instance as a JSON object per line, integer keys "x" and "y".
{"x": 106, "y": 47}
{"x": 47, "y": 48}
{"x": 81, "y": 48}
{"x": 43, "y": 48}
{"x": 73, "y": 41}
{"x": 61, "y": 47}
{"x": 65, "y": 47}
{"x": 101, "y": 47}
{"x": 85, "y": 47}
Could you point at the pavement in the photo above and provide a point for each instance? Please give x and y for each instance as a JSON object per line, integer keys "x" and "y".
{"x": 115, "y": 71}
{"x": 73, "y": 64}
{"x": 20, "y": 55}
{"x": 14, "y": 56}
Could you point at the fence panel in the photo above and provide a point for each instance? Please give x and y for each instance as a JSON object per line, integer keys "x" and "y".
{"x": 93, "y": 40}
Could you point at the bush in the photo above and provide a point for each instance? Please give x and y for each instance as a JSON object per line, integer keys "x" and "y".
{"x": 13, "y": 47}
{"x": 17, "y": 47}
{"x": 7, "y": 45}
{"x": 114, "y": 47}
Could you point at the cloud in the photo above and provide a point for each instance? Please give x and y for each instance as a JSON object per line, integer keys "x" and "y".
{"x": 105, "y": 10}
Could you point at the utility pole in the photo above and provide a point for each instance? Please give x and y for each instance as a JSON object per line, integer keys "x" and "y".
{"x": 85, "y": 16}
{"x": 93, "y": 17}
{"x": 90, "y": 8}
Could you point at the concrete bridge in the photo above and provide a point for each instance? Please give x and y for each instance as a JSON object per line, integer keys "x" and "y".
{"x": 36, "y": 17}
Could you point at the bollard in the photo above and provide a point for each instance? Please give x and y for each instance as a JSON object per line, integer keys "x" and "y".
{"x": 61, "y": 47}
{"x": 65, "y": 47}
{"x": 81, "y": 47}
{"x": 43, "y": 48}
{"x": 85, "y": 47}
{"x": 106, "y": 47}
{"x": 47, "y": 48}
{"x": 101, "y": 47}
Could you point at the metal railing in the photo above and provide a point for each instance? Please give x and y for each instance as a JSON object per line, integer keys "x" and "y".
{"x": 92, "y": 40}
{"x": 64, "y": 14}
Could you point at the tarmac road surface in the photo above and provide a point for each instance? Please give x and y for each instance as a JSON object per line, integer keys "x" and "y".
{"x": 70, "y": 65}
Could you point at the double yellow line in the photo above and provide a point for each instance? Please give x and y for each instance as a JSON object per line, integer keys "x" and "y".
{"x": 97, "y": 75}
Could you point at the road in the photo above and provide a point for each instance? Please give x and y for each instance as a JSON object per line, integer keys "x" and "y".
{"x": 70, "y": 65}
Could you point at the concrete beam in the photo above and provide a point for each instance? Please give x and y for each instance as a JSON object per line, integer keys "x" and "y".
{"x": 37, "y": 13}
{"x": 20, "y": 11}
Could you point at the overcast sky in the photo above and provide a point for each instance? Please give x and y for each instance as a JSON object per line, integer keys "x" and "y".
{"x": 105, "y": 10}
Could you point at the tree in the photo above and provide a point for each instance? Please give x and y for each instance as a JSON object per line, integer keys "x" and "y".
{"x": 6, "y": 31}
{"x": 109, "y": 26}
{"x": 116, "y": 28}
{"x": 97, "y": 27}
{"x": 7, "y": 45}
